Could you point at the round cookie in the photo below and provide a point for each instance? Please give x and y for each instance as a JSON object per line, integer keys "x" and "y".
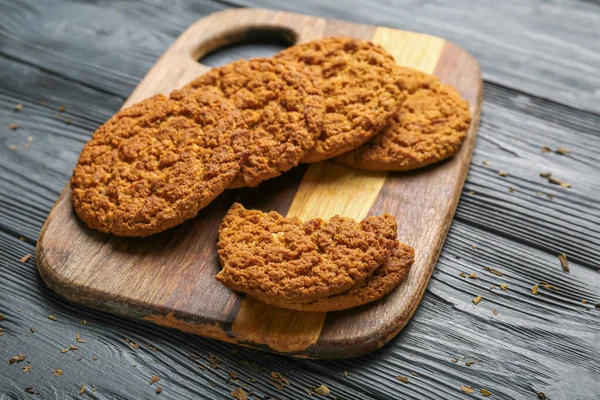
{"x": 276, "y": 258}
{"x": 281, "y": 109}
{"x": 430, "y": 126}
{"x": 156, "y": 164}
{"x": 385, "y": 278}
{"x": 361, "y": 87}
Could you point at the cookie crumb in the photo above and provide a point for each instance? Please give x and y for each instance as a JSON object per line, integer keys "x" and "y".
{"x": 477, "y": 299}
{"x": 25, "y": 258}
{"x": 322, "y": 390}
{"x": 154, "y": 378}
{"x": 16, "y": 359}
{"x": 546, "y": 149}
{"x": 534, "y": 289}
{"x": 485, "y": 392}
{"x": 547, "y": 285}
{"x": 504, "y": 286}
{"x": 13, "y": 126}
{"x": 52, "y": 317}
{"x": 493, "y": 271}
{"x": 19, "y": 107}
{"x": 466, "y": 389}
{"x": 564, "y": 262}
{"x": 502, "y": 173}
{"x": 402, "y": 378}
{"x": 555, "y": 181}
{"x": 563, "y": 151}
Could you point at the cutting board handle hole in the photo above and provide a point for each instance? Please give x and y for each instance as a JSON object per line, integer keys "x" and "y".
{"x": 246, "y": 43}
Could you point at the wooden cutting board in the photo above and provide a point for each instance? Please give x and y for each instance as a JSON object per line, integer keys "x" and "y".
{"x": 168, "y": 278}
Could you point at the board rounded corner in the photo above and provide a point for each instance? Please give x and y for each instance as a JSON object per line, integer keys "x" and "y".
{"x": 51, "y": 275}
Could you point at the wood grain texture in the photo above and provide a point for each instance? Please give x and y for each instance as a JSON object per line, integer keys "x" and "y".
{"x": 169, "y": 278}
{"x": 544, "y": 48}
{"x": 54, "y": 51}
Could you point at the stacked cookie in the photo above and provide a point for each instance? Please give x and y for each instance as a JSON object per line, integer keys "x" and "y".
{"x": 312, "y": 266}
{"x": 157, "y": 163}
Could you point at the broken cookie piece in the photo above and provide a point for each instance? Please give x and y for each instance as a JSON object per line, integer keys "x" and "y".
{"x": 276, "y": 258}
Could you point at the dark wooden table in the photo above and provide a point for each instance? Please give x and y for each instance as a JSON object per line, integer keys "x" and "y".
{"x": 540, "y": 61}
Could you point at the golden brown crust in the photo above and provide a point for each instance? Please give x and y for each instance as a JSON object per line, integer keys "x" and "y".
{"x": 156, "y": 164}
{"x": 361, "y": 87}
{"x": 385, "y": 278}
{"x": 281, "y": 107}
{"x": 430, "y": 126}
{"x": 272, "y": 257}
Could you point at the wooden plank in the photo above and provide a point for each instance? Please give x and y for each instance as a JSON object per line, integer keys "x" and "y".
{"x": 546, "y": 49}
{"x": 169, "y": 278}
{"x": 517, "y": 348}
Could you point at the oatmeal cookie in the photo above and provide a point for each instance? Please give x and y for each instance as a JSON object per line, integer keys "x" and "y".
{"x": 278, "y": 258}
{"x": 156, "y": 164}
{"x": 361, "y": 87}
{"x": 281, "y": 107}
{"x": 430, "y": 126}
{"x": 385, "y": 278}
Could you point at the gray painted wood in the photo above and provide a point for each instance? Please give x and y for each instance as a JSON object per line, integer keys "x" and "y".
{"x": 541, "y": 89}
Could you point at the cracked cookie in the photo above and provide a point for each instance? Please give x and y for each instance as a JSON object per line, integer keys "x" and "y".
{"x": 385, "y": 278}
{"x": 430, "y": 126}
{"x": 280, "y": 106}
{"x": 361, "y": 87}
{"x": 156, "y": 164}
{"x": 278, "y": 258}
